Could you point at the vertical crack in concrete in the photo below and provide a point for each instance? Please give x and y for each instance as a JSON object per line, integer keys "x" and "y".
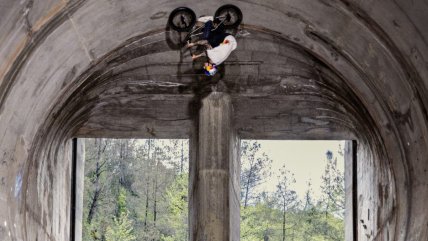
{"x": 81, "y": 39}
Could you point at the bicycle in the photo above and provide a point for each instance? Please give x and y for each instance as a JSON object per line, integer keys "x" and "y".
{"x": 183, "y": 19}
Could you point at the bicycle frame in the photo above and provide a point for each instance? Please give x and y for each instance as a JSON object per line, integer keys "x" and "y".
{"x": 192, "y": 34}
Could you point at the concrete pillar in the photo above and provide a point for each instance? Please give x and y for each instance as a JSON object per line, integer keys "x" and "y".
{"x": 350, "y": 191}
{"x": 214, "y": 173}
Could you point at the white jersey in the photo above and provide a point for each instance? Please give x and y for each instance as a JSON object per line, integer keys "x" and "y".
{"x": 220, "y": 53}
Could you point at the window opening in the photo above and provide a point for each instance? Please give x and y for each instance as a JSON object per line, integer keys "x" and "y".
{"x": 292, "y": 190}
{"x": 135, "y": 189}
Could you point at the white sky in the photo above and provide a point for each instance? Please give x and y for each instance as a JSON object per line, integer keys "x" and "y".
{"x": 306, "y": 159}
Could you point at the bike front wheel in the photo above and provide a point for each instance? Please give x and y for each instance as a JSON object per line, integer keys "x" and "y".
{"x": 182, "y": 19}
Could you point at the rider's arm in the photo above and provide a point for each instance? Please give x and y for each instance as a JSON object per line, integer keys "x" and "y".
{"x": 195, "y": 56}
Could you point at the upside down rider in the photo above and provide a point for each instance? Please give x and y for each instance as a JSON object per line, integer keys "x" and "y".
{"x": 218, "y": 43}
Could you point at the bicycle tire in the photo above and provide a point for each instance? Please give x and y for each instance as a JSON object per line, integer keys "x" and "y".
{"x": 231, "y": 9}
{"x": 176, "y": 13}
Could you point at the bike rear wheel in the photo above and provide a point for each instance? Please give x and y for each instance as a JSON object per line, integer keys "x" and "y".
{"x": 182, "y": 19}
{"x": 230, "y": 14}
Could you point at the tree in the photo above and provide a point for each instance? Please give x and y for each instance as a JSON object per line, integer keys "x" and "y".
{"x": 260, "y": 221}
{"x": 96, "y": 190}
{"x": 333, "y": 187}
{"x": 177, "y": 194}
{"x": 283, "y": 216}
{"x": 286, "y": 196}
{"x": 332, "y": 202}
{"x": 122, "y": 228}
{"x": 255, "y": 169}
{"x": 142, "y": 171}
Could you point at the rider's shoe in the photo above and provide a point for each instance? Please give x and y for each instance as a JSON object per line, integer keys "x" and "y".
{"x": 204, "y": 19}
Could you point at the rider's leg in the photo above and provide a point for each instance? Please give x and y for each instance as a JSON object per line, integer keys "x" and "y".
{"x": 195, "y": 56}
{"x": 207, "y": 29}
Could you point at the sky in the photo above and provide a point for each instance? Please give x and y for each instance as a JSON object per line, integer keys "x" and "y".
{"x": 306, "y": 159}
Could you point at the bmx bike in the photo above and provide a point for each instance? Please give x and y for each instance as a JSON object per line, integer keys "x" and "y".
{"x": 183, "y": 19}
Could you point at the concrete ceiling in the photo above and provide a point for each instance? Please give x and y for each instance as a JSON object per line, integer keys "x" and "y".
{"x": 304, "y": 69}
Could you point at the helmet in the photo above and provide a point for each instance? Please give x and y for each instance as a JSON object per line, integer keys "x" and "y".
{"x": 210, "y": 69}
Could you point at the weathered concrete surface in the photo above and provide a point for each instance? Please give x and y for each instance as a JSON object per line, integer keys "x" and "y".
{"x": 349, "y": 190}
{"x": 310, "y": 69}
{"x": 214, "y": 190}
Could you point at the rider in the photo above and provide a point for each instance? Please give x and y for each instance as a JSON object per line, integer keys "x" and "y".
{"x": 219, "y": 44}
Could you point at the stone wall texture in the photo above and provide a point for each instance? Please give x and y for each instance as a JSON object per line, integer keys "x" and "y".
{"x": 303, "y": 69}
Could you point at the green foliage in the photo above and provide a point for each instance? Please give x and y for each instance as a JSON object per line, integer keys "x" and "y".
{"x": 121, "y": 203}
{"x": 135, "y": 190}
{"x": 178, "y": 209}
{"x": 281, "y": 216}
{"x": 138, "y": 190}
{"x": 121, "y": 230}
{"x": 264, "y": 222}
{"x": 259, "y": 221}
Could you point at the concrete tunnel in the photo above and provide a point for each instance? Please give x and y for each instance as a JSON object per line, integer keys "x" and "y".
{"x": 306, "y": 69}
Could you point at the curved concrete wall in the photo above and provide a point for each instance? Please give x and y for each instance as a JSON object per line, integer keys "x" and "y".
{"x": 63, "y": 65}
